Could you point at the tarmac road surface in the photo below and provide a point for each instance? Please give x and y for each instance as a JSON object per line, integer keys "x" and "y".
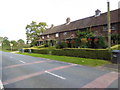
{"x": 21, "y": 71}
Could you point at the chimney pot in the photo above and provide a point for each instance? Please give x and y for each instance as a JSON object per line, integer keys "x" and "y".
{"x": 52, "y": 25}
{"x": 68, "y": 20}
{"x": 97, "y": 12}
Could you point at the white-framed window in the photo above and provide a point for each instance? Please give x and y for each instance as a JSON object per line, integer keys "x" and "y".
{"x": 105, "y": 28}
{"x": 57, "y": 34}
{"x": 48, "y": 36}
{"x": 112, "y": 28}
{"x": 65, "y": 33}
{"x": 43, "y": 37}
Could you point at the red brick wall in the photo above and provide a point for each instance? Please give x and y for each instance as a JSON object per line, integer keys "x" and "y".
{"x": 70, "y": 34}
{"x": 98, "y": 30}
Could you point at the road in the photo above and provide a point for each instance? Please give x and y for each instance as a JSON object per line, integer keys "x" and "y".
{"x": 20, "y": 71}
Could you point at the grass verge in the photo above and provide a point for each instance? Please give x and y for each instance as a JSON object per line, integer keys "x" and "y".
{"x": 5, "y": 50}
{"x": 75, "y": 60}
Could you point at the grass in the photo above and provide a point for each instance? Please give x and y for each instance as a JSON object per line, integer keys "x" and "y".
{"x": 5, "y": 50}
{"x": 75, "y": 60}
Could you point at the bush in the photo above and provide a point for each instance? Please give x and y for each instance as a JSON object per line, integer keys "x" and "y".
{"x": 115, "y": 38}
{"x": 43, "y": 51}
{"x": 41, "y": 46}
{"x": 101, "y": 42}
{"x": 84, "y": 53}
{"x": 61, "y": 45}
{"x": 39, "y": 51}
{"x": 25, "y": 50}
{"x": 12, "y": 49}
{"x": 83, "y": 43}
{"x": 75, "y": 52}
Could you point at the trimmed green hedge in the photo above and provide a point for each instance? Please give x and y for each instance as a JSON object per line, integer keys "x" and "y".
{"x": 43, "y": 51}
{"x": 115, "y": 47}
{"x": 75, "y": 52}
{"x": 39, "y": 51}
{"x": 84, "y": 53}
{"x": 12, "y": 49}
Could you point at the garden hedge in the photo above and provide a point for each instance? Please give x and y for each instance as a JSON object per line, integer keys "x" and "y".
{"x": 39, "y": 51}
{"x": 84, "y": 53}
{"x": 75, "y": 52}
{"x": 42, "y": 51}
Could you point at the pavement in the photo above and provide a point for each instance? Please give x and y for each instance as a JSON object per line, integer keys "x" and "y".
{"x": 21, "y": 71}
{"x": 110, "y": 67}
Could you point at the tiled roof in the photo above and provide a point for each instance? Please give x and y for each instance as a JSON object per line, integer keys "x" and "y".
{"x": 84, "y": 23}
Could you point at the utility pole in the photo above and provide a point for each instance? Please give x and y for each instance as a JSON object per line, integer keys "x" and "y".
{"x": 109, "y": 26}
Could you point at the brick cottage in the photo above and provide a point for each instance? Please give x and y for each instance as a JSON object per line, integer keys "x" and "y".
{"x": 96, "y": 24}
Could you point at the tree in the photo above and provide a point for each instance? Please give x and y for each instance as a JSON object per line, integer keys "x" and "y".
{"x": 34, "y": 30}
{"x": 1, "y": 40}
{"x": 21, "y": 43}
{"x": 5, "y": 38}
{"x": 15, "y": 44}
{"x": 82, "y": 38}
{"x": 85, "y": 34}
{"x": 5, "y": 43}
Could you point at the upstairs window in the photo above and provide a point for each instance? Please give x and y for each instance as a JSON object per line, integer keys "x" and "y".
{"x": 48, "y": 36}
{"x": 57, "y": 34}
{"x": 42, "y": 37}
{"x": 65, "y": 33}
{"x": 105, "y": 28}
{"x": 112, "y": 28}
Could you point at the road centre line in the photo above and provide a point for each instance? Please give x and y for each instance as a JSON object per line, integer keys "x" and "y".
{"x": 1, "y": 85}
{"x": 19, "y": 78}
{"x": 55, "y": 75}
{"x": 22, "y": 61}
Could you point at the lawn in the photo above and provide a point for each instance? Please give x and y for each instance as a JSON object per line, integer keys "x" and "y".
{"x": 75, "y": 60}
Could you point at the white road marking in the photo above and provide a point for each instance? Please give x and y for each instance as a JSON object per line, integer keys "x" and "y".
{"x": 22, "y": 61}
{"x": 55, "y": 75}
{"x": 1, "y": 85}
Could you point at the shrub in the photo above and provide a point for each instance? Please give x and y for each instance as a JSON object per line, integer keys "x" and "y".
{"x": 101, "y": 42}
{"x": 84, "y": 53}
{"x": 46, "y": 45}
{"x": 115, "y": 38}
{"x": 26, "y": 50}
{"x": 41, "y": 46}
{"x": 40, "y": 51}
{"x": 83, "y": 43}
{"x": 43, "y": 51}
{"x": 12, "y": 49}
{"x": 75, "y": 52}
{"x": 61, "y": 45}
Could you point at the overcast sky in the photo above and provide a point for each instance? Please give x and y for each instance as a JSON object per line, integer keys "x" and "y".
{"x": 16, "y": 14}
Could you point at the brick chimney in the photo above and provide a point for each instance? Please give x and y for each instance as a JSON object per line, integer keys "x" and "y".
{"x": 97, "y": 13}
{"x": 67, "y": 21}
{"x": 52, "y": 25}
